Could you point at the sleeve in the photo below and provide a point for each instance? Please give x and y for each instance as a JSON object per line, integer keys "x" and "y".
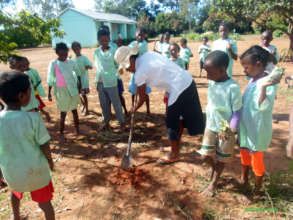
{"x": 236, "y": 98}
{"x": 51, "y": 77}
{"x": 41, "y": 133}
{"x": 268, "y": 102}
{"x": 140, "y": 78}
{"x": 189, "y": 52}
{"x": 96, "y": 60}
{"x": 234, "y": 47}
{"x": 88, "y": 62}
{"x": 40, "y": 87}
{"x": 235, "y": 119}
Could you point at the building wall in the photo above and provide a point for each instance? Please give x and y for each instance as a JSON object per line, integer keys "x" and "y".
{"x": 77, "y": 28}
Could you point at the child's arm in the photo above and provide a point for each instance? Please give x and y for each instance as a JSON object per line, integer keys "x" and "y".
{"x": 230, "y": 49}
{"x": 47, "y": 152}
{"x": 263, "y": 93}
{"x": 142, "y": 97}
{"x": 190, "y": 53}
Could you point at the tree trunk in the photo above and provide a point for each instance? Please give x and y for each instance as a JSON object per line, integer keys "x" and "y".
{"x": 291, "y": 42}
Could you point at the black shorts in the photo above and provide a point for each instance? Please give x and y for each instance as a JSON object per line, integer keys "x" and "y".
{"x": 188, "y": 106}
{"x": 201, "y": 63}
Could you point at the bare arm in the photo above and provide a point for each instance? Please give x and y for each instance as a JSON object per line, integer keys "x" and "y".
{"x": 49, "y": 93}
{"x": 47, "y": 152}
{"x": 141, "y": 97}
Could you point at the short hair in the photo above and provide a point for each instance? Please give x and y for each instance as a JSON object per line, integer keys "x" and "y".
{"x": 257, "y": 53}
{"x": 134, "y": 56}
{"x": 268, "y": 32}
{"x": 75, "y": 44}
{"x": 13, "y": 59}
{"x": 167, "y": 34}
{"x": 104, "y": 27}
{"x": 61, "y": 46}
{"x": 225, "y": 24}
{"x": 218, "y": 59}
{"x": 141, "y": 29}
{"x": 176, "y": 45}
{"x": 11, "y": 84}
{"x": 183, "y": 41}
{"x": 205, "y": 38}
{"x": 103, "y": 32}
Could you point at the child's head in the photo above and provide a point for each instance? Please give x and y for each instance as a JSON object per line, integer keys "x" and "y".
{"x": 183, "y": 42}
{"x": 266, "y": 38}
{"x": 224, "y": 29}
{"x": 216, "y": 64}
{"x": 14, "y": 61}
{"x": 161, "y": 37}
{"x": 174, "y": 50}
{"x": 104, "y": 38}
{"x": 62, "y": 51}
{"x": 76, "y": 47}
{"x": 140, "y": 34}
{"x": 25, "y": 64}
{"x": 15, "y": 88}
{"x": 205, "y": 40}
{"x": 167, "y": 37}
{"x": 254, "y": 60}
{"x": 105, "y": 27}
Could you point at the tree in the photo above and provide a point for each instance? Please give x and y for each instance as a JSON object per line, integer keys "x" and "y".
{"x": 187, "y": 9}
{"x": 47, "y": 9}
{"x": 269, "y": 14}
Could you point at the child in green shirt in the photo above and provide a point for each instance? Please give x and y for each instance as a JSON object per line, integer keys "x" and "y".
{"x": 25, "y": 156}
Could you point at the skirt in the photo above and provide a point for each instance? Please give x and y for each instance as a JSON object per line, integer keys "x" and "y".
{"x": 66, "y": 102}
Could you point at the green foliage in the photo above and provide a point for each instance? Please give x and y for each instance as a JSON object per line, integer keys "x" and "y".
{"x": 25, "y": 30}
{"x": 278, "y": 33}
{"x": 211, "y": 36}
{"x": 172, "y": 23}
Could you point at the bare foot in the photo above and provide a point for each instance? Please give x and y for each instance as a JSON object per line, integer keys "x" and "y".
{"x": 209, "y": 191}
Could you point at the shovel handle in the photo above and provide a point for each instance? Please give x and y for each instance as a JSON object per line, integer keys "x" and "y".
{"x": 131, "y": 128}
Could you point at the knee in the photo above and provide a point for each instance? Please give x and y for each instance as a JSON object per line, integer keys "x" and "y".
{"x": 173, "y": 134}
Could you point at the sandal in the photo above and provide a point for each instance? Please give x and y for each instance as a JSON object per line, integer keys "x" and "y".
{"x": 167, "y": 160}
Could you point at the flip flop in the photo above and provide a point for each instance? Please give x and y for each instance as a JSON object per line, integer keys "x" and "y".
{"x": 166, "y": 160}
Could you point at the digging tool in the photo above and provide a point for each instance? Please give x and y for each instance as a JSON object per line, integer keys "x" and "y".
{"x": 127, "y": 159}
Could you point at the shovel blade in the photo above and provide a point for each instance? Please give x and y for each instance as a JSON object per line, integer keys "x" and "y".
{"x": 126, "y": 162}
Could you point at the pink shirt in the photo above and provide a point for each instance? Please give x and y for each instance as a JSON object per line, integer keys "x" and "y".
{"x": 60, "y": 81}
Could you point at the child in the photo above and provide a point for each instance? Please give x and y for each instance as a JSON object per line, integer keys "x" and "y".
{"x": 106, "y": 79}
{"x": 19, "y": 65}
{"x": 84, "y": 65}
{"x": 142, "y": 48}
{"x": 38, "y": 89}
{"x": 203, "y": 51}
{"x": 266, "y": 39}
{"x": 185, "y": 52}
{"x": 25, "y": 156}
{"x": 227, "y": 45}
{"x": 255, "y": 131}
{"x": 62, "y": 74}
{"x": 158, "y": 44}
{"x": 166, "y": 45}
{"x": 174, "y": 50}
{"x": 223, "y": 114}
{"x": 111, "y": 43}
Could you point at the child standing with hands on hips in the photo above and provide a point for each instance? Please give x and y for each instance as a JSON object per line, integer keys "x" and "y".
{"x": 223, "y": 115}
{"x": 25, "y": 156}
{"x": 255, "y": 131}
{"x": 142, "y": 48}
{"x": 84, "y": 65}
{"x": 63, "y": 76}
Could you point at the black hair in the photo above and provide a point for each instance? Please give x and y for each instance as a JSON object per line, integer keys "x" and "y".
{"x": 61, "y": 46}
{"x": 225, "y": 24}
{"x": 13, "y": 59}
{"x": 218, "y": 59}
{"x": 104, "y": 27}
{"x": 103, "y": 32}
{"x": 167, "y": 34}
{"x": 75, "y": 44}
{"x": 141, "y": 29}
{"x": 268, "y": 32}
{"x": 205, "y": 38}
{"x": 11, "y": 84}
{"x": 176, "y": 45}
{"x": 257, "y": 53}
{"x": 135, "y": 56}
{"x": 183, "y": 41}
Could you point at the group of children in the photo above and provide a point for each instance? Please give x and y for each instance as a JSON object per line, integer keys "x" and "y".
{"x": 228, "y": 112}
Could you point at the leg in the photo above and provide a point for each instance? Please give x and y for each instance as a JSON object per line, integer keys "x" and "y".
{"x": 122, "y": 100}
{"x": 85, "y": 104}
{"x": 15, "y": 203}
{"x": 62, "y": 125}
{"x": 245, "y": 164}
{"x": 76, "y": 120}
{"x": 48, "y": 210}
{"x": 244, "y": 175}
{"x": 210, "y": 190}
{"x": 105, "y": 104}
{"x": 210, "y": 161}
{"x": 113, "y": 95}
{"x": 132, "y": 100}
{"x": 258, "y": 169}
{"x": 148, "y": 104}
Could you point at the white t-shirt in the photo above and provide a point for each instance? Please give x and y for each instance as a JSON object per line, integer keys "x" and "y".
{"x": 155, "y": 70}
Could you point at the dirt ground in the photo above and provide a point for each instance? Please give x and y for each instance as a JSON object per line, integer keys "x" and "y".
{"x": 89, "y": 184}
